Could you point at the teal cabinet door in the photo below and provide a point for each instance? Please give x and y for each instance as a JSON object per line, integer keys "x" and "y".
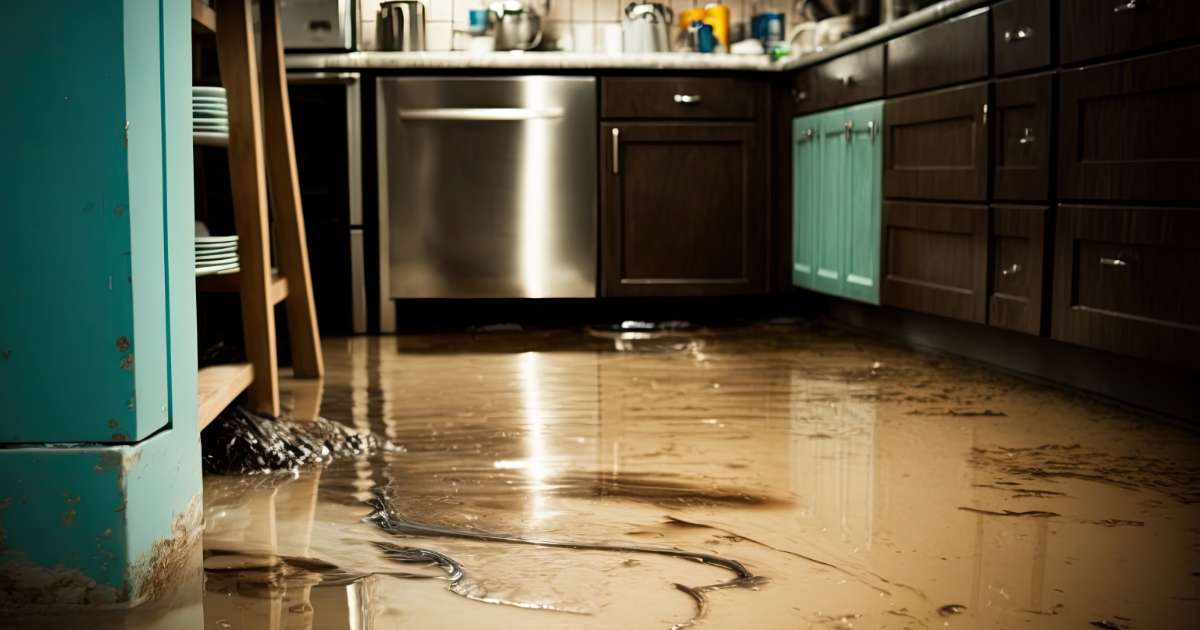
{"x": 832, "y": 174}
{"x": 806, "y": 189}
{"x": 861, "y": 208}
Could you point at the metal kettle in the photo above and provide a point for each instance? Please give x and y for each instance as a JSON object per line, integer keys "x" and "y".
{"x": 517, "y": 27}
{"x": 646, "y": 28}
{"x": 400, "y": 25}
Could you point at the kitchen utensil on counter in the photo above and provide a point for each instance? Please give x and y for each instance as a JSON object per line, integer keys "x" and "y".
{"x": 703, "y": 38}
{"x": 400, "y": 25}
{"x": 767, "y": 28}
{"x": 811, "y": 36}
{"x": 479, "y": 21}
{"x": 517, "y": 27}
{"x": 646, "y": 28}
{"x": 318, "y": 24}
{"x": 614, "y": 37}
{"x": 863, "y": 14}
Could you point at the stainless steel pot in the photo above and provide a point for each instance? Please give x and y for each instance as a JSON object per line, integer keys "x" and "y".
{"x": 517, "y": 27}
{"x": 400, "y": 25}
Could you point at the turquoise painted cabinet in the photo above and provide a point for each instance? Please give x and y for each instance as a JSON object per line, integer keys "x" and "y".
{"x": 837, "y": 169}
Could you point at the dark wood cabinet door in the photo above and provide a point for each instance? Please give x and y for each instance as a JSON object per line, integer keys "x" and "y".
{"x": 954, "y": 51}
{"x": 1018, "y": 269}
{"x": 936, "y": 145}
{"x": 1022, "y": 114}
{"x": 935, "y": 258}
{"x": 683, "y": 209}
{"x": 1021, "y": 36}
{"x": 1129, "y": 130}
{"x": 1091, "y": 29}
{"x": 1124, "y": 281}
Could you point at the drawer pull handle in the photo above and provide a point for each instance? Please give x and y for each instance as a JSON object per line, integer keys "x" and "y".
{"x": 1022, "y": 32}
{"x": 1132, "y": 5}
{"x": 687, "y": 99}
{"x": 1113, "y": 262}
{"x": 1011, "y": 271}
{"x": 1028, "y": 138}
{"x": 616, "y": 165}
{"x": 799, "y": 95}
{"x": 872, "y": 130}
{"x": 807, "y": 137}
{"x": 847, "y": 80}
{"x": 849, "y": 130}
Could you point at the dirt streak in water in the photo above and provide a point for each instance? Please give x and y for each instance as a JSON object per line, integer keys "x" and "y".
{"x": 391, "y": 521}
{"x": 681, "y": 522}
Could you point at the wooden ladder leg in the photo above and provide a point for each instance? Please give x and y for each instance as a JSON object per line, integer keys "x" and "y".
{"x": 239, "y": 74}
{"x": 285, "y": 192}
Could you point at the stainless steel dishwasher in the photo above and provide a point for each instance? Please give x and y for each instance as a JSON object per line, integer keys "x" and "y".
{"x": 487, "y": 187}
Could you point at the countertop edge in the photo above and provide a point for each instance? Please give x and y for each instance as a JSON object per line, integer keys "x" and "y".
{"x": 376, "y": 60}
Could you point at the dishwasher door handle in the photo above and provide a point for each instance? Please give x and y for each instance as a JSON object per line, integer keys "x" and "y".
{"x": 481, "y": 113}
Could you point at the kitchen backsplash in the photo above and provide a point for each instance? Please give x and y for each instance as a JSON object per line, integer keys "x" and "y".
{"x": 585, "y": 20}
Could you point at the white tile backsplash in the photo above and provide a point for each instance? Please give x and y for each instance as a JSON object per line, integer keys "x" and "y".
{"x": 443, "y": 16}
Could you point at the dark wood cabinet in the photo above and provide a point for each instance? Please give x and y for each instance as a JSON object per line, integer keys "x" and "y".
{"x": 936, "y": 145}
{"x": 954, "y": 51}
{"x": 681, "y": 98}
{"x": 1124, "y": 281}
{"x": 683, "y": 209}
{"x": 1129, "y": 129}
{"x": 1021, "y": 36}
{"x": 1018, "y": 271}
{"x": 1091, "y": 29}
{"x": 1023, "y": 116}
{"x": 935, "y": 258}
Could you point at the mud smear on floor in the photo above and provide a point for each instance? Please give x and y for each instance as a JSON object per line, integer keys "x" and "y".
{"x": 396, "y": 523}
{"x": 1130, "y": 471}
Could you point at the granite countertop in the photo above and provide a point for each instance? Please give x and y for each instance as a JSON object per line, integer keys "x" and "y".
{"x": 377, "y": 60}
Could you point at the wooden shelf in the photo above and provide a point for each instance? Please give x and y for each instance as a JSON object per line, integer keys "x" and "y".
{"x": 217, "y": 386}
{"x": 203, "y": 17}
{"x": 232, "y": 283}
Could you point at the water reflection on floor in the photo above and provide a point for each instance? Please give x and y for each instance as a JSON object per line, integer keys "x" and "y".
{"x": 873, "y": 487}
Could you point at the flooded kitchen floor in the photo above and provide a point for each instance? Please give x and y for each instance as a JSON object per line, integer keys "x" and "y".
{"x": 769, "y": 476}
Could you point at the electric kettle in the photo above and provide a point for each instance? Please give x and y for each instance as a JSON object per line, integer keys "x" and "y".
{"x": 517, "y": 27}
{"x": 646, "y": 28}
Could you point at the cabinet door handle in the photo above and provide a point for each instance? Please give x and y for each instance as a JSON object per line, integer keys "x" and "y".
{"x": 799, "y": 95}
{"x": 872, "y": 130}
{"x": 847, "y": 80}
{"x": 1132, "y": 5}
{"x": 616, "y": 151}
{"x": 1113, "y": 262}
{"x": 1022, "y": 32}
{"x": 1027, "y": 138}
{"x": 807, "y": 137}
{"x": 985, "y": 113}
{"x": 849, "y": 130}
{"x": 1011, "y": 271}
{"x": 688, "y": 99}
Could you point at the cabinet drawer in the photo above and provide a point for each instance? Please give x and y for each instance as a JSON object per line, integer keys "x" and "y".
{"x": 936, "y": 145}
{"x": 955, "y": 51}
{"x": 1021, "y": 35}
{"x": 935, "y": 258}
{"x": 669, "y": 98}
{"x": 1124, "y": 281}
{"x": 1018, "y": 252}
{"x": 854, "y": 78}
{"x": 1129, "y": 129}
{"x": 1092, "y": 29}
{"x": 1022, "y": 115}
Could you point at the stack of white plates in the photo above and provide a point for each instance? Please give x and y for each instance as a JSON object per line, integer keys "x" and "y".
{"x": 210, "y": 114}
{"x": 216, "y": 255}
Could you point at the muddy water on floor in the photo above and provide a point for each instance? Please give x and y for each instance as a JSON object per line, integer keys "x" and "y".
{"x": 599, "y": 480}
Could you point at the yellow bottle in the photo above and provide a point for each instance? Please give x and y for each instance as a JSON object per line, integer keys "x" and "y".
{"x": 717, "y": 15}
